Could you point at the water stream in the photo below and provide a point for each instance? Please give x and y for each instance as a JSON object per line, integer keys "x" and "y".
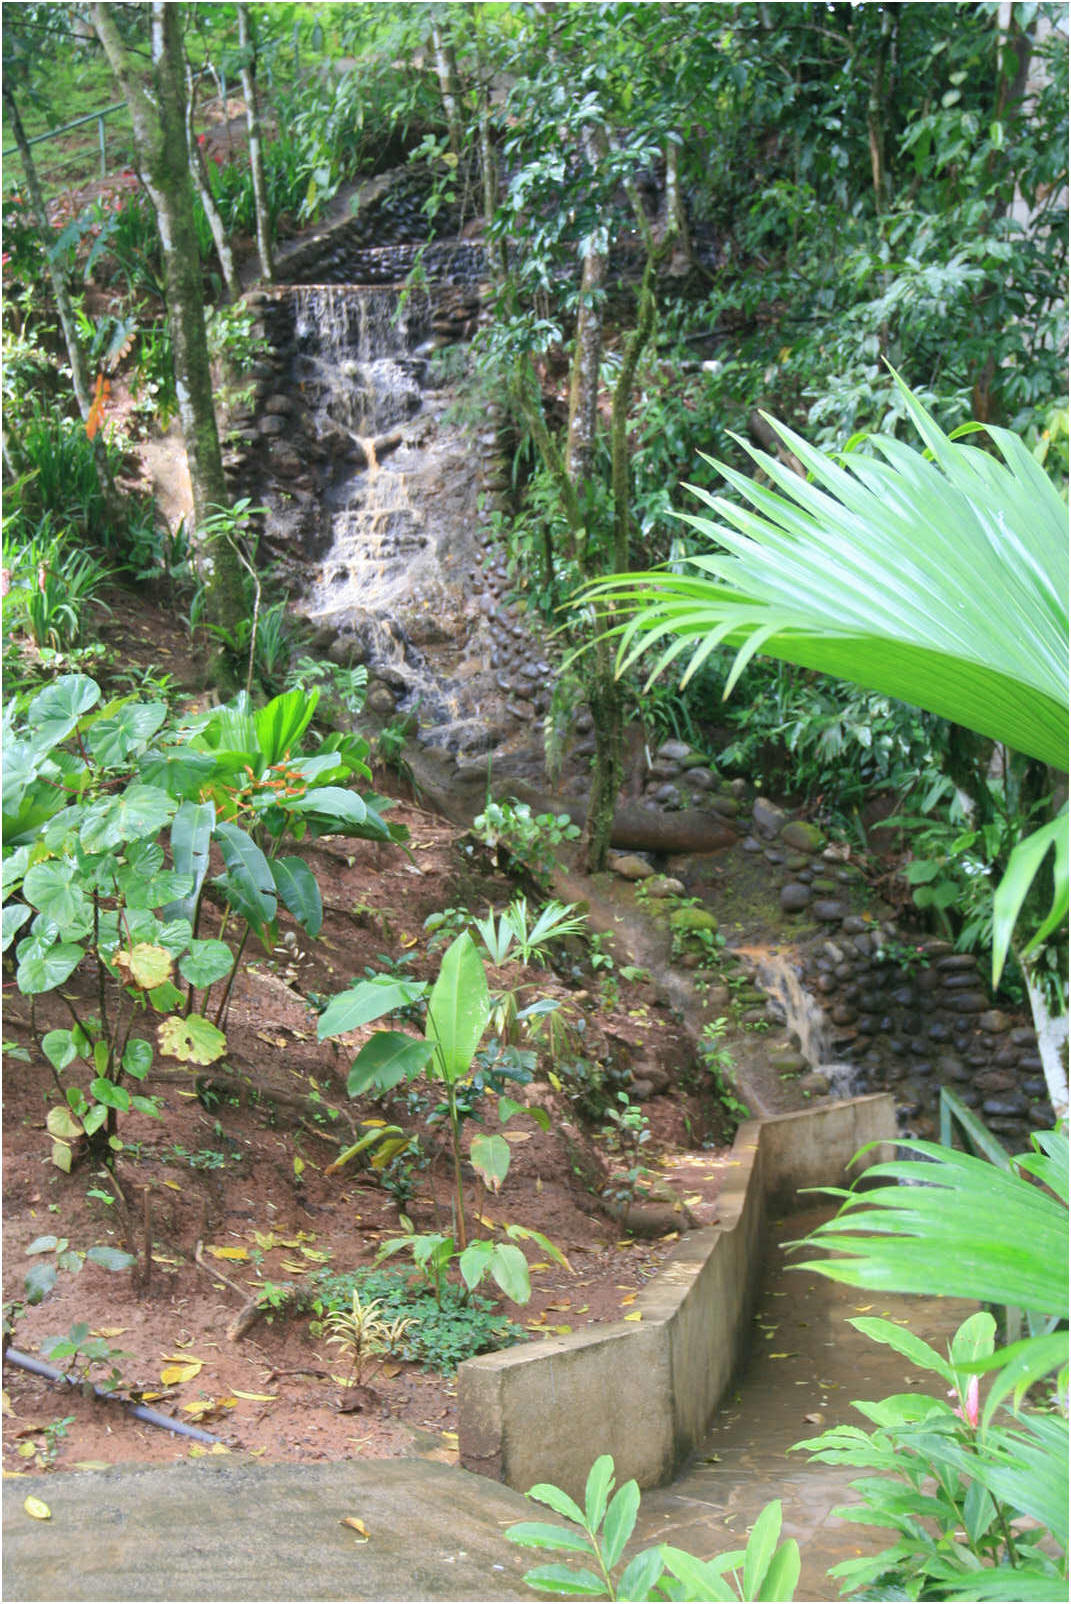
{"x": 804, "y": 1017}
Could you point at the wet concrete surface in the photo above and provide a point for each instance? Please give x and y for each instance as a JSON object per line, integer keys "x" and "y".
{"x": 226, "y": 1529}
{"x": 808, "y": 1366}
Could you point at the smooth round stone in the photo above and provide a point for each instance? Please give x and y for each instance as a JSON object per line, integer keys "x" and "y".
{"x": 677, "y": 751}
{"x": 804, "y": 837}
{"x": 797, "y": 860}
{"x": 749, "y": 844}
{"x": 727, "y": 806}
{"x": 828, "y": 909}
{"x": 795, "y": 896}
{"x": 994, "y": 1021}
{"x": 665, "y": 885}
{"x": 768, "y": 818}
{"x": 699, "y": 779}
{"x": 632, "y": 867}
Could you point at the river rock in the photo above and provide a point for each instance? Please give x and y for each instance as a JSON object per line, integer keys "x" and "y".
{"x": 829, "y": 910}
{"x": 994, "y": 1021}
{"x": 380, "y": 700}
{"x": 665, "y": 885}
{"x": 969, "y": 1002}
{"x": 727, "y": 806}
{"x": 795, "y": 896}
{"x": 675, "y": 751}
{"x": 632, "y": 867}
{"x": 701, "y": 780}
{"x": 768, "y": 818}
{"x": 804, "y": 837}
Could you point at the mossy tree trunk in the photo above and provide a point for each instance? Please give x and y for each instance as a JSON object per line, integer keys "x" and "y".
{"x": 154, "y": 89}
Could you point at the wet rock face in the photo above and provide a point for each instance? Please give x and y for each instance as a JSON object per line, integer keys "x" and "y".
{"x": 909, "y": 1013}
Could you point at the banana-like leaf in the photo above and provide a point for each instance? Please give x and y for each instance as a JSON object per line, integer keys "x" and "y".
{"x": 459, "y": 1008}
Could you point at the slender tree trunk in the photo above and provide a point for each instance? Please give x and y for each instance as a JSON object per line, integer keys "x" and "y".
{"x": 604, "y": 690}
{"x": 79, "y": 372}
{"x": 498, "y": 258}
{"x": 247, "y": 46}
{"x": 875, "y": 116}
{"x": 80, "y": 377}
{"x": 199, "y": 175}
{"x": 155, "y": 93}
{"x": 1052, "y": 1042}
{"x": 449, "y": 83}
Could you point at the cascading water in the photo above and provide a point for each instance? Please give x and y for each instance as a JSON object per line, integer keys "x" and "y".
{"x": 401, "y": 501}
{"x": 805, "y": 1018}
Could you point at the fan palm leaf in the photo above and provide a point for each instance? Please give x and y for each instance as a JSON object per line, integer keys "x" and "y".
{"x": 939, "y": 577}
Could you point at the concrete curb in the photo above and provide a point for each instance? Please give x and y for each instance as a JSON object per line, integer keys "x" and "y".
{"x": 645, "y": 1392}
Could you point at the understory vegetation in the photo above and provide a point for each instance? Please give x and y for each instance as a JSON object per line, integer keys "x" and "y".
{"x": 774, "y": 320}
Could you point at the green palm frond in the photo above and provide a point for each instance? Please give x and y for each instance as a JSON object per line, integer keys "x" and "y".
{"x": 940, "y": 579}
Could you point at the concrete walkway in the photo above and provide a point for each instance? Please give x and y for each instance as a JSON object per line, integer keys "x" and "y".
{"x": 232, "y": 1530}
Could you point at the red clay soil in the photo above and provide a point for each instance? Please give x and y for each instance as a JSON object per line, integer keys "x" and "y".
{"x": 244, "y": 1178}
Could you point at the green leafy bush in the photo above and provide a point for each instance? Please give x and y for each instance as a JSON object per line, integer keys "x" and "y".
{"x": 90, "y": 794}
{"x": 445, "y": 1330}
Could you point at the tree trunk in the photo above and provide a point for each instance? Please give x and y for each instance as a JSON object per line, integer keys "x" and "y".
{"x": 1052, "y": 1042}
{"x": 80, "y": 378}
{"x": 79, "y": 372}
{"x": 497, "y": 257}
{"x": 199, "y": 175}
{"x": 449, "y": 84}
{"x": 247, "y": 46}
{"x": 155, "y": 94}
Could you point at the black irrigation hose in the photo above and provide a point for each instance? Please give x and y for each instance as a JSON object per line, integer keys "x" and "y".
{"x": 37, "y": 1367}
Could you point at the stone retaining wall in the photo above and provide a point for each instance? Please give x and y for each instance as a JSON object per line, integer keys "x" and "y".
{"x": 646, "y": 1391}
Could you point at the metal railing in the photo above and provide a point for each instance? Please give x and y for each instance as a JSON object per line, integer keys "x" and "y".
{"x": 92, "y": 116}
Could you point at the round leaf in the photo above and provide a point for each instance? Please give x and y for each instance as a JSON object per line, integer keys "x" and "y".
{"x": 194, "y": 1040}
{"x": 145, "y": 965}
{"x": 42, "y": 972}
{"x": 206, "y": 962}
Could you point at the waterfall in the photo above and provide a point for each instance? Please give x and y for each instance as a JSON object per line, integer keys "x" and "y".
{"x": 805, "y": 1018}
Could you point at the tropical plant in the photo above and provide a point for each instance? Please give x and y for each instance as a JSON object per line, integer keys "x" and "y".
{"x": 884, "y": 569}
{"x": 88, "y": 792}
{"x": 363, "y": 1333}
{"x": 599, "y": 1532}
{"x": 977, "y": 1492}
{"x": 459, "y": 1010}
{"x": 525, "y": 841}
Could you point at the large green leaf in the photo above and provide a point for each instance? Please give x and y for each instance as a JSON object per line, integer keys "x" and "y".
{"x": 137, "y": 812}
{"x": 42, "y": 970}
{"x": 368, "y": 1000}
{"x": 191, "y": 841}
{"x": 459, "y": 1008}
{"x": 112, "y": 740}
{"x": 55, "y": 711}
{"x": 247, "y": 868}
{"x": 281, "y": 724}
{"x": 49, "y": 888}
{"x": 962, "y": 1228}
{"x": 300, "y": 894}
{"x": 940, "y": 579}
{"x": 387, "y": 1058}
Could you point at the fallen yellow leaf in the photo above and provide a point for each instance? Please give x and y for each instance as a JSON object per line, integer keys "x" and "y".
{"x": 108, "y": 1331}
{"x": 5, "y": 1403}
{"x": 198, "y": 1452}
{"x": 257, "y": 1397}
{"x": 179, "y": 1369}
{"x": 630, "y": 1299}
{"x": 175, "y": 1187}
{"x": 228, "y": 1253}
{"x": 37, "y": 1508}
{"x": 91, "y": 1464}
{"x": 356, "y": 1524}
{"x": 26, "y": 1450}
{"x": 636, "y": 1315}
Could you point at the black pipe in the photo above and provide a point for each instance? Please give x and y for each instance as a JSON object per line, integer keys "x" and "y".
{"x": 37, "y": 1367}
